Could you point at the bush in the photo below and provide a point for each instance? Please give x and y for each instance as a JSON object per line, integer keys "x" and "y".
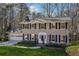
{"x": 73, "y": 43}
{"x": 27, "y": 43}
{"x": 4, "y": 39}
{"x": 73, "y": 50}
{"x": 56, "y": 45}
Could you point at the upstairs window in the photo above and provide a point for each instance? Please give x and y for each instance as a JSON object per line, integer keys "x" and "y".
{"x": 26, "y": 26}
{"x": 33, "y": 26}
{"x": 42, "y": 26}
{"x": 62, "y": 25}
{"x": 51, "y": 25}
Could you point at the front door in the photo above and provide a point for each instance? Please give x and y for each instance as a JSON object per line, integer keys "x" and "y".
{"x": 42, "y": 38}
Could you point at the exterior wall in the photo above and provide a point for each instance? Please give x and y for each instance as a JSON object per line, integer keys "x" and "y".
{"x": 53, "y": 31}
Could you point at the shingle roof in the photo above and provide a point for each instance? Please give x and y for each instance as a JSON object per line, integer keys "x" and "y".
{"x": 42, "y": 20}
{"x": 55, "y": 19}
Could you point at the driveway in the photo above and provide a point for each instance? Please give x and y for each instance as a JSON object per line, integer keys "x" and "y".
{"x": 11, "y": 42}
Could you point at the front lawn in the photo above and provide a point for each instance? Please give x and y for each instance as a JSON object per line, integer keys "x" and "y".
{"x": 14, "y": 51}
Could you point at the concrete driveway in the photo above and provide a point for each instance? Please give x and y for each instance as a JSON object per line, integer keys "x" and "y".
{"x": 11, "y": 42}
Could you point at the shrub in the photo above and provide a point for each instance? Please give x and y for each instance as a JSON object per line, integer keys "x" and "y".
{"x": 56, "y": 45}
{"x": 73, "y": 50}
{"x": 27, "y": 43}
{"x": 4, "y": 39}
{"x": 73, "y": 43}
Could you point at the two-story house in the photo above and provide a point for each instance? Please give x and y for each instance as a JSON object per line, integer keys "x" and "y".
{"x": 54, "y": 30}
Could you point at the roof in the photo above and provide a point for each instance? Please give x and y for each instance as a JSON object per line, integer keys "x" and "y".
{"x": 46, "y": 20}
{"x": 56, "y": 19}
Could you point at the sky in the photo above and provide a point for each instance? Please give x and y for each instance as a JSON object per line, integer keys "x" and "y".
{"x": 36, "y": 7}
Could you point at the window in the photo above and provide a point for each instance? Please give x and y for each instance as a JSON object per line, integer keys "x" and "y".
{"x": 65, "y": 38}
{"x": 53, "y": 38}
{"x": 32, "y": 36}
{"x": 49, "y": 37}
{"x": 28, "y": 36}
{"x": 42, "y": 26}
{"x": 26, "y": 26}
{"x": 62, "y": 25}
{"x": 51, "y": 25}
{"x": 33, "y": 26}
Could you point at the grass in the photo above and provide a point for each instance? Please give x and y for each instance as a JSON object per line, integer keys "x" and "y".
{"x": 14, "y": 51}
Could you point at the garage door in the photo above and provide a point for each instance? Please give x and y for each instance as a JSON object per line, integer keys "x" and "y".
{"x": 15, "y": 37}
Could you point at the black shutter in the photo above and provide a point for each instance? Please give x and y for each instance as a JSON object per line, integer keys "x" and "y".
{"x": 39, "y": 25}
{"x": 56, "y": 25}
{"x": 56, "y": 38}
{"x": 59, "y": 38}
{"x": 45, "y": 25}
{"x": 66, "y": 25}
{"x": 30, "y": 36}
{"x": 49, "y": 25}
{"x": 35, "y": 26}
{"x": 59, "y": 25}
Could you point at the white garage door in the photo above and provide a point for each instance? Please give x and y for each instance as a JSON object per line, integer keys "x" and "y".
{"x": 15, "y": 37}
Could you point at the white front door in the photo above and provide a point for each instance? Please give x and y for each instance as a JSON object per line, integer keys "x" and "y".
{"x": 42, "y": 38}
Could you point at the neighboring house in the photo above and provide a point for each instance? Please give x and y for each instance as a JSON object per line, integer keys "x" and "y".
{"x": 47, "y": 30}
